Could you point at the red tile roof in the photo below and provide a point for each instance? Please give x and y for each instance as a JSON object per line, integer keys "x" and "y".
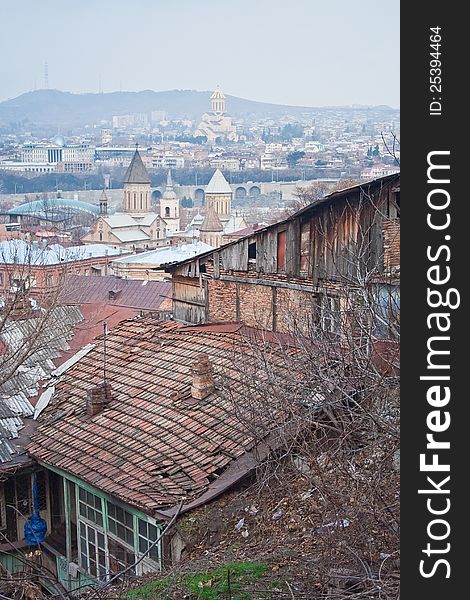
{"x": 148, "y": 448}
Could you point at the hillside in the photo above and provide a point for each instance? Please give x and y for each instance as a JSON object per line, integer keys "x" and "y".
{"x": 57, "y": 108}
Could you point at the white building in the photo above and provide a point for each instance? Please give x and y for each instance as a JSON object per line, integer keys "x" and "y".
{"x": 66, "y": 157}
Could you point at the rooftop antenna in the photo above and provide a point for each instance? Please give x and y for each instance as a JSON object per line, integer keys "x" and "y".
{"x": 46, "y": 76}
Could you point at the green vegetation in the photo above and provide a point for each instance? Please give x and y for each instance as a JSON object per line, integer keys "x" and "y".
{"x": 232, "y": 577}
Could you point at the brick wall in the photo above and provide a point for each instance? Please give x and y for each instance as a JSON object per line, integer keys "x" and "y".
{"x": 256, "y": 305}
{"x": 222, "y": 300}
{"x": 263, "y": 306}
{"x": 295, "y": 310}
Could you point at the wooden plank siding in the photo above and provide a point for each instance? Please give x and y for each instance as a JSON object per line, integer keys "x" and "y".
{"x": 338, "y": 239}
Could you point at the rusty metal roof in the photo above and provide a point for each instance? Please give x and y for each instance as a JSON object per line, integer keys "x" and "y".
{"x": 107, "y": 289}
{"x": 148, "y": 448}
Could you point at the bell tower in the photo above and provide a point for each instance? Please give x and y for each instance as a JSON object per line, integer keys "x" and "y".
{"x": 136, "y": 187}
{"x": 170, "y": 206}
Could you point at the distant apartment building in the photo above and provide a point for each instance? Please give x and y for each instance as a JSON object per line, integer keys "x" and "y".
{"x": 167, "y": 161}
{"x": 379, "y": 171}
{"x": 133, "y": 120}
{"x": 225, "y": 164}
{"x": 271, "y": 161}
{"x": 157, "y": 115}
{"x": 115, "y": 155}
{"x": 274, "y": 148}
{"x": 106, "y": 137}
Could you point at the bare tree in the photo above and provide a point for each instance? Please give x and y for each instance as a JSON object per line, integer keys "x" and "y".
{"x": 338, "y": 395}
{"x": 314, "y": 192}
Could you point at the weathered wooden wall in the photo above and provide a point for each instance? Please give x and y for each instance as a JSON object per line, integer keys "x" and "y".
{"x": 350, "y": 237}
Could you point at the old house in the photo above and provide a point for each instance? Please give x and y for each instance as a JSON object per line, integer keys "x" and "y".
{"x": 128, "y": 435}
{"x": 303, "y": 270}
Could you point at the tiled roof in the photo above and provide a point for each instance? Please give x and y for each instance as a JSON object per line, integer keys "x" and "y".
{"x": 211, "y": 221}
{"x": 148, "y": 448}
{"x": 218, "y": 184}
{"x": 143, "y": 295}
{"x": 136, "y": 171}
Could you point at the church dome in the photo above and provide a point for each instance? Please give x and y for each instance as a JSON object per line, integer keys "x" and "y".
{"x": 218, "y": 95}
{"x": 59, "y": 141}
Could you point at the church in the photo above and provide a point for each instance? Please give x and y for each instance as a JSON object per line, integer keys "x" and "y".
{"x": 217, "y": 124}
{"x": 136, "y": 226}
{"x": 219, "y": 222}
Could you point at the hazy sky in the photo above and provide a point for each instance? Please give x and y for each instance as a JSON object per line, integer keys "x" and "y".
{"x": 304, "y": 52}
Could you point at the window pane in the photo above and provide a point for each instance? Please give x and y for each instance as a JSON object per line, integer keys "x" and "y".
{"x": 152, "y": 536}
{"x": 142, "y": 528}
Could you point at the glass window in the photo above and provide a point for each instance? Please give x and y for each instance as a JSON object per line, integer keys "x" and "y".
{"x": 121, "y": 523}
{"x": 386, "y": 309}
{"x": 90, "y": 507}
{"x": 120, "y": 557}
{"x": 148, "y": 533}
{"x": 92, "y": 551}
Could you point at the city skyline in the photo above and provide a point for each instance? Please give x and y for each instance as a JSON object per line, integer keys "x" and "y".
{"x": 328, "y": 56}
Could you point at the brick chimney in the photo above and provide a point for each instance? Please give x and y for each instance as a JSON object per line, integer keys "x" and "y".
{"x": 202, "y": 380}
{"x": 98, "y": 398}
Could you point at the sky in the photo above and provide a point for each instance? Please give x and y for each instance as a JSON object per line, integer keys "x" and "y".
{"x": 300, "y": 52}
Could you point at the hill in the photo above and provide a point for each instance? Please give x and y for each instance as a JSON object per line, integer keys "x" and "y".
{"x": 57, "y": 108}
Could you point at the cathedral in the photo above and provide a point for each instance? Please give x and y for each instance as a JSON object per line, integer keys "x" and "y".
{"x": 219, "y": 222}
{"x": 217, "y": 123}
{"x": 136, "y": 226}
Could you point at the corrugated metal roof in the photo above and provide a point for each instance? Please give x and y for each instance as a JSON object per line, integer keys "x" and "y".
{"x": 22, "y": 253}
{"x": 166, "y": 254}
{"x": 51, "y": 333}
